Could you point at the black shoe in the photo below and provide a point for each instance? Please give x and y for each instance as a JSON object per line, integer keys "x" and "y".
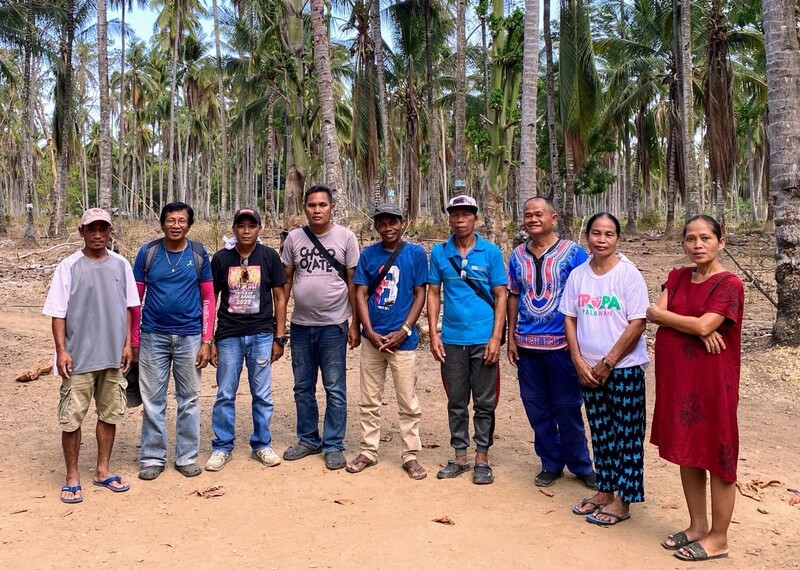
{"x": 483, "y": 474}
{"x": 452, "y": 470}
{"x": 546, "y": 478}
{"x": 300, "y": 451}
{"x": 335, "y": 460}
{"x": 589, "y": 480}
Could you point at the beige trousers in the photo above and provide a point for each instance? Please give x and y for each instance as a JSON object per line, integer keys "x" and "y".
{"x": 373, "y": 379}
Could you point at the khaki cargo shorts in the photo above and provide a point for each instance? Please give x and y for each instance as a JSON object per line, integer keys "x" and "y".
{"x": 108, "y": 389}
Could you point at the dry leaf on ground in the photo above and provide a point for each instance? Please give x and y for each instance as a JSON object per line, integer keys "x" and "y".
{"x": 214, "y": 491}
{"x": 430, "y": 445}
{"x": 33, "y": 373}
{"x": 547, "y": 492}
{"x": 18, "y": 511}
{"x": 753, "y": 489}
{"x": 444, "y": 520}
{"x": 343, "y": 501}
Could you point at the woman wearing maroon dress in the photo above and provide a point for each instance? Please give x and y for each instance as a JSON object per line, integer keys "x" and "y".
{"x": 697, "y": 357}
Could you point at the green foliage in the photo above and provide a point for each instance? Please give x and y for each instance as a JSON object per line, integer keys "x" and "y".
{"x": 593, "y": 178}
{"x": 650, "y": 220}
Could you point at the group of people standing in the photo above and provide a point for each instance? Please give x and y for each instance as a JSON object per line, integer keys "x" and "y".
{"x": 574, "y": 325}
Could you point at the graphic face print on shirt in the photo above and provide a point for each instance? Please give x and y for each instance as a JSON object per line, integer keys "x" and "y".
{"x": 244, "y": 284}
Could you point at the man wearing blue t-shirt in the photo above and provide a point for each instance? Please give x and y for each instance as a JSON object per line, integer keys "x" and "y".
{"x": 390, "y": 292}
{"x": 471, "y": 272}
{"x": 537, "y": 345}
{"x": 177, "y": 330}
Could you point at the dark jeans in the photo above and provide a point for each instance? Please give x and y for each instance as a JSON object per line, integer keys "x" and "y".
{"x": 551, "y": 393}
{"x": 465, "y": 373}
{"x": 316, "y": 349}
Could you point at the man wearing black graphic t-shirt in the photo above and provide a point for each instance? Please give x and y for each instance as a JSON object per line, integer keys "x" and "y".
{"x": 251, "y": 328}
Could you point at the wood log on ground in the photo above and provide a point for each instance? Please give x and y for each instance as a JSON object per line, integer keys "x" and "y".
{"x": 31, "y": 374}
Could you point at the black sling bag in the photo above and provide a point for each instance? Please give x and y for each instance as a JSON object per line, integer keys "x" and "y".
{"x": 373, "y": 285}
{"x": 478, "y": 291}
{"x": 335, "y": 263}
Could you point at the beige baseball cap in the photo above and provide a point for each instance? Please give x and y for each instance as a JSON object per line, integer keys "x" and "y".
{"x": 95, "y": 215}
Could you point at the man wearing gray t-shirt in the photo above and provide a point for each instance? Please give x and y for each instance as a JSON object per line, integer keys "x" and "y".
{"x": 90, "y": 301}
{"x": 319, "y": 261}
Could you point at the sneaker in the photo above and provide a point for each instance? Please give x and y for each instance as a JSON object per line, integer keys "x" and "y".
{"x": 589, "y": 480}
{"x": 217, "y": 461}
{"x": 546, "y": 478}
{"x": 267, "y": 457}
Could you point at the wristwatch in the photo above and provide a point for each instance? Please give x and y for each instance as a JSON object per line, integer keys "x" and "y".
{"x": 282, "y": 340}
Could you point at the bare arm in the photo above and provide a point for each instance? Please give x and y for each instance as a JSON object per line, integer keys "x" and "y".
{"x": 289, "y": 272}
{"x": 354, "y": 330}
{"x": 697, "y": 326}
{"x": 127, "y": 351}
{"x": 279, "y": 304}
{"x": 625, "y": 343}
{"x": 63, "y": 358}
{"x": 491, "y": 354}
{"x": 434, "y": 306}
{"x": 512, "y": 309}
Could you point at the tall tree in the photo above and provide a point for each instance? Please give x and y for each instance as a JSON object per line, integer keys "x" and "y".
{"x": 330, "y": 146}
{"x": 434, "y": 188}
{"x": 552, "y": 131}
{"x": 104, "y": 194}
{"x": 377, "y": 42}
{"x": 530, "y": 72}
{"x": 685, "y": 79}
{"x": 460, "y": 104}
{"x": 579, "y": 96}
{"x": 783, "y": 79}
{"x": 223, "y": 113}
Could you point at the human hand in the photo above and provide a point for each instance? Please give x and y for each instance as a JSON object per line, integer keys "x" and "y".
{"x": 491, "y": 352}
{"x": 64, "y": 363}
{"x": 585, "y": 375}
{"x": 512, "y": 352}
{"x": 601, "y": 372}
{"x": 214, "y": 360}
{"x": 713, "y": 342}
{"x": 203, "y": 355}
{"x": 127, "y": 358}
{"x": 391, "y": 341}
{"x": 437, "y": 348}
{"x": 353, "y": 336}
{"x": 277, "y": 351}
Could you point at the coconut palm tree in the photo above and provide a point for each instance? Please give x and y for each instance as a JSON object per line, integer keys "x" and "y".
{"x": 782, "y": 39}
{"x": 530, "y": 72}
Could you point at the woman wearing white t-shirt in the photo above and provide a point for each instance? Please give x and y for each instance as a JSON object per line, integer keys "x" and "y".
{"x": 605, "y": 303}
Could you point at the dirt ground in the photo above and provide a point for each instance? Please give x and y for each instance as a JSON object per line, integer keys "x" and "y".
{"x": 300, "y": 515}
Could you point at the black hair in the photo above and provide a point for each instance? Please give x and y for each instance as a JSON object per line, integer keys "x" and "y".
{"x": 600, "y": 215}
{"x": 544, "y": 199}
{"x": 318, "y": 188}
{"x": 715, "y": 227}
{"x": 177, "y": 207}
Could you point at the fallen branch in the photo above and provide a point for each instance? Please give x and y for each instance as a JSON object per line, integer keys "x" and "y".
{"x": 33, "y": 373}
{"x": 753, "y": 279}
{"x": 41, "y": 251}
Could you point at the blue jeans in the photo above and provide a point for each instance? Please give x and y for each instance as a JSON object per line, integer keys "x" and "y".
{"x": 256, "y": 351}
{"x": 313, "y": 349}
{"x": 156, "y": 353}
{"x": 551, "y": 393}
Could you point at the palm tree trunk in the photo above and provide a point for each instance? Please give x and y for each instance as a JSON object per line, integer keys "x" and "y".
{"x": 782, "y": 42}
{"x": 222, "y": 210}
{"x": 692, "y": 204}
{"x": 104, "y": 195}
{"x": 530, "y": 72}
{"x": 121, "y": 144}
{"x": 555, "y": 178}
{"x": 27, "y": 118}
{"x": 330, "y": 146}
{"x": 460, "y": 107}
{"x": 433, "y": 135}
{"x": 173, "y": 97}
{"x": 57, "y": 226}
{"x": 377, "y": 43}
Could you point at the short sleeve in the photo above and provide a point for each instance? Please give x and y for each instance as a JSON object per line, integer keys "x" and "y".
{"x": 131, "y": 292}
{"x": 277, "y": 277}
{"x": 636, "y": 300}
{"x": 580, "y": 256}
{"x": 567, "y": 305}
{"x": 55, "y": 304}
{"x": 217, "y": 271}
{"x": 205, "y": 273}
{"x": 671, "y": 282}
{"x": 434, "y": 271}
{"x": 727, "y": 299}
{"x": 360, "y": 277}
{"x": 498, "y": 268}
{"x": 138, "y": 265}
{"x": 420, "y": 266}
{"x": 513, "y": 282}
{"x": 287, "y": 253}
{"x": 351, "y": 253}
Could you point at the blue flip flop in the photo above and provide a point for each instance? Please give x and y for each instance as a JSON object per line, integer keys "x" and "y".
{"x": 113, "y": 479}
{"x": 72, "y": 490}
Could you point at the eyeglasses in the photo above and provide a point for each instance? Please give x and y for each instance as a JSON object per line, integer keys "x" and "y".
{"x": 464, "y": 263}
{"x": 245, "y": 275}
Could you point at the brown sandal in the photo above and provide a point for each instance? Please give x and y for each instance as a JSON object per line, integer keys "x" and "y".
{"x": 415, "y": 470}
{"x": 360, "y": 463}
